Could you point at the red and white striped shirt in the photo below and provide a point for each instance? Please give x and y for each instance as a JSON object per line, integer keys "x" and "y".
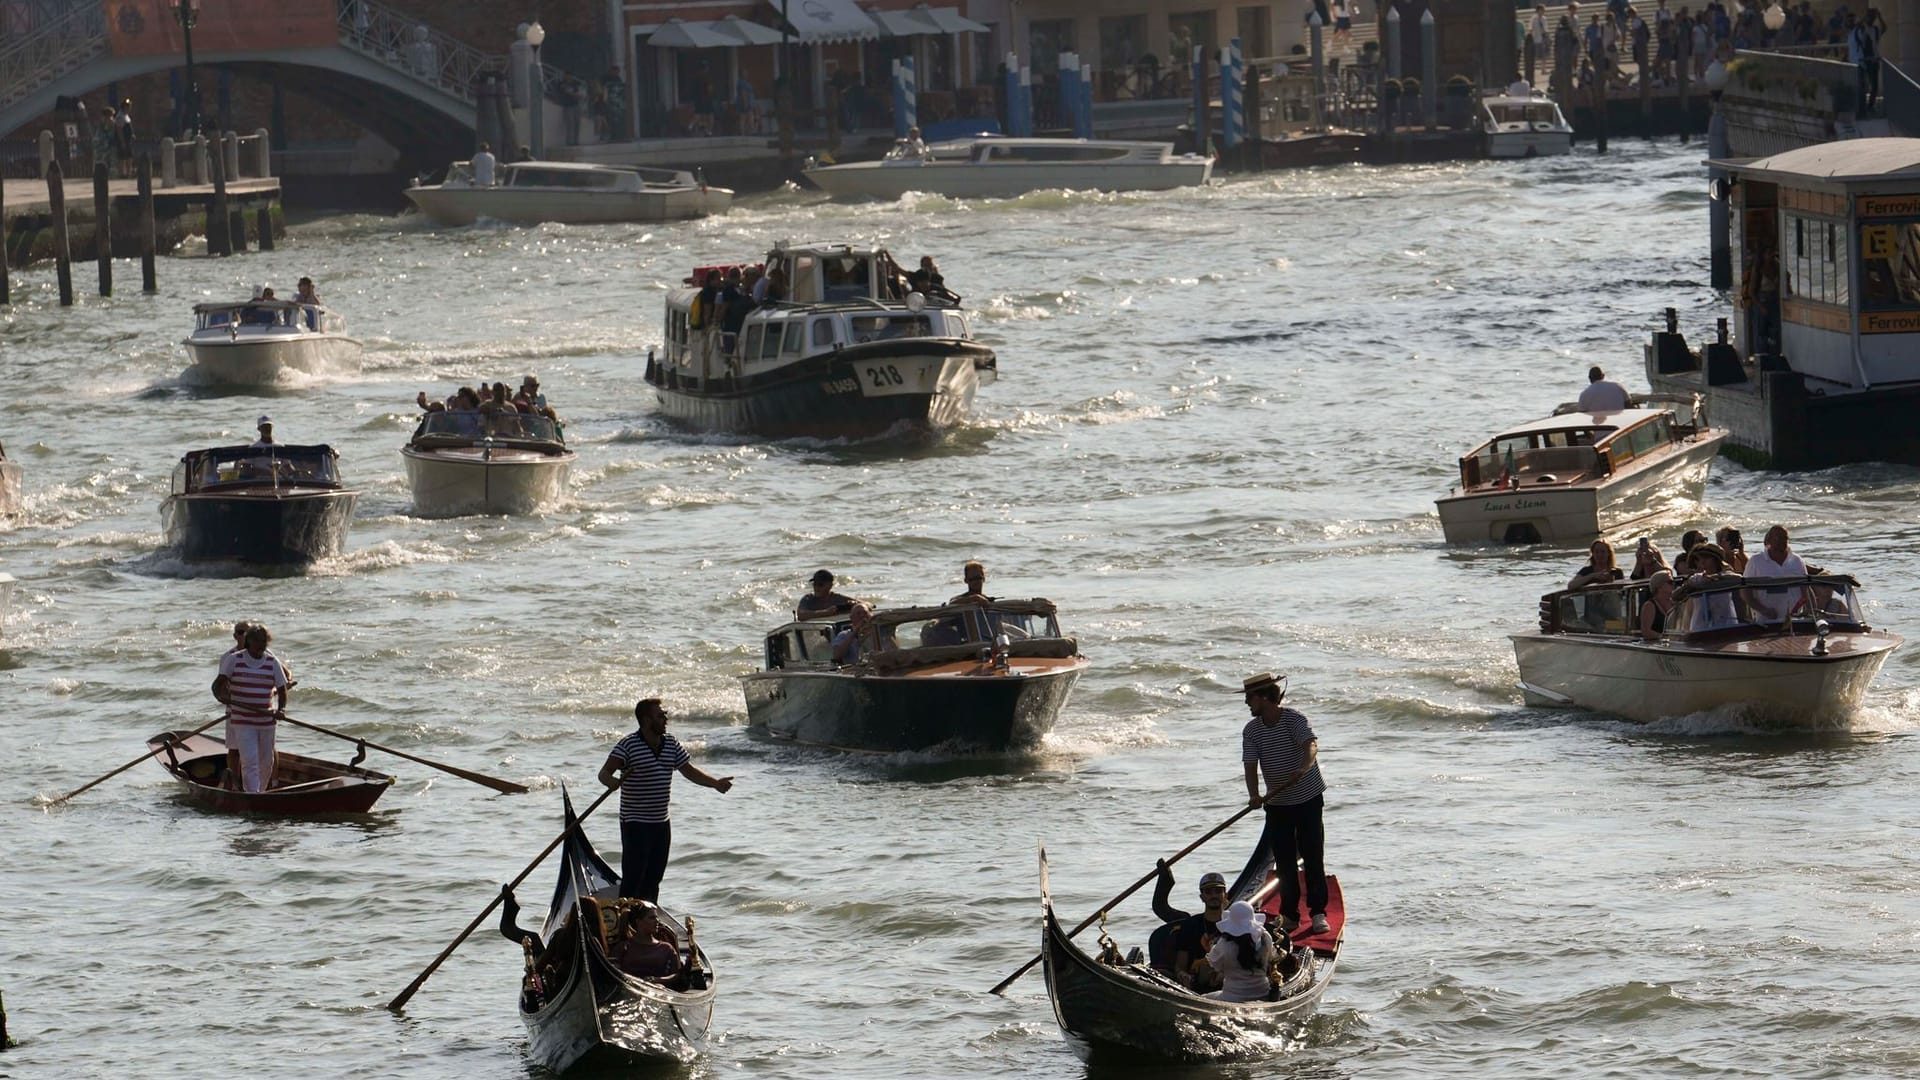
{"x": 250, "y": 685}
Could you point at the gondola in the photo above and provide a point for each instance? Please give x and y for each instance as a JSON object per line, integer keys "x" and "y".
{"x": 581, "y": 1010}
{"x": 302, "y": 785}
{"x": 1115, "y": 1010}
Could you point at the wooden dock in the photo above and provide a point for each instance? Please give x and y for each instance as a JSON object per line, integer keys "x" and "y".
{"x": 26, "y": 232}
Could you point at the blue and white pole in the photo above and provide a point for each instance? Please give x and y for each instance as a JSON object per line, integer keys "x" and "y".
{"x": 899, "y": 103}
{"x": 1086, "y": 101}
{"x": 909, "y": 110}
{"x": 1232, "y": 101}
{"x": 1026, "y": 101}
{"x": 1070, "y": 91}
{"x": 1011, "y": 94}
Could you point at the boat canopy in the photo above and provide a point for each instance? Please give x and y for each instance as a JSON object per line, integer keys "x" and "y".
{"x": 1563, "y": 448}
{"x": 253, "y": 466}
{"x": 463, "y": 427}
{"x": 1717, "y": 606}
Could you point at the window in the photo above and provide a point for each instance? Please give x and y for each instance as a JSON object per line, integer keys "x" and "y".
{"x": 750, "y": 346}
{"x": 1123, "y": 39}
{"x": 1817, "y": 270}
{"x": 1187, "y": 30}
{"x": 771, "y": 349}
{"x": 1253, "y": 22}
{"x": 822, "y": 332}
{"x": 796, "y": 334}
{"x": 1046, "y": 40}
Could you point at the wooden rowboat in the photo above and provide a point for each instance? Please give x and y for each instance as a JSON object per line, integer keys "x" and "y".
{"x": 590, "y": 1013}
{"x": 302, "y": 785}
{"x": 1116, "y": 1011}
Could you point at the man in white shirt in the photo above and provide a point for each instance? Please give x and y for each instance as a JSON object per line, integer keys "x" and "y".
{"x": 1603, "y": 394}
{"x": 1778, "y": 560}
{"x": 265, "y": 426}
{"x": 483, "y": 166}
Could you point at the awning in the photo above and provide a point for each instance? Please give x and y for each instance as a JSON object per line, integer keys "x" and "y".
{"x": 730, "y": 32}
{"x": 818, "y": 22}
{"x": 922, "y": 19}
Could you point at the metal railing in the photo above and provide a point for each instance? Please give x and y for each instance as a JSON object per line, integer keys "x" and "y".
{"x": 401, "y": 42}
{"x": 60, "y": 39}
{"x": 1899, "y": 99}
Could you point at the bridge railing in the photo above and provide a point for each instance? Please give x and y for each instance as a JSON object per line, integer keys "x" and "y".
{"x": 400, "y": 42}
{"x": 58, "y": 39}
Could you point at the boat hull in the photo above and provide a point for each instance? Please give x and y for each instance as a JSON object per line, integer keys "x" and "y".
{"x": 308, "y": 786}
{"x": 464, "y": 206}
{"x": 1773, "y": 677}
{"x": 965, "y": 180}
{"x": 893, "y": 713}
{"x": 475, "y": 480}
{"x": 852, "y": 393}
{"x": 601, "y": 1018}
{"x": 1526, "y": 144}
{"x": 290, "y": 527}
{"x": 262, "y": 360}
{"x": 1582, "y": 512}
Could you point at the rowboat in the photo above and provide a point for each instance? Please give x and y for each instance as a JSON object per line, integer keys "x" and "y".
{"x": 584, "y": 1011}
{"x": 1795, "y": 650}
{"x": 1113, "y": 1010}
{"x": 990, "y": 677}
{"x": 302, "y": 785}
{"x": 469, "y": 463}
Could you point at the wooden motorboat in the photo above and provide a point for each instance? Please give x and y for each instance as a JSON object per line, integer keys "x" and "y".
{"x": 251, "y": 342}
{"x": 275, "y": 504}
{"x": 1575, "y": 476}
{"x": 997, "y": 167}
{"x": 568, "y": 192}
{"x": 851, "y": 353}
{"x": 990, "y": 677}
{"x": 587, "y": 1012}
{"x": 1795, "y": 650}
{"x": 11, "y": 498}
{"x": 301, "y": 785}
{"x": 1115, "y": 1010}
{"x": 461, "y": 462}
{"x": 1516, "y": 126}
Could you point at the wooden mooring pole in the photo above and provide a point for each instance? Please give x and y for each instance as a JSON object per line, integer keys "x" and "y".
{"x": 1256, "y": 144}
{"x": 62, "y": 253}
{"x": 6, "y": 1041}
{"x": 148, "y": 284}
{"x": 263, "y": 222}
{"x": 5, "y": 293}
{"x": 102, "y": 228}
{"x": 219, "y": 225}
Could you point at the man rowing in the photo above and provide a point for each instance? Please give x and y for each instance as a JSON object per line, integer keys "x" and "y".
{"x": 251, "y": 679}
{"x": 1280, "y": 744}
{"x": 643, "y": 764}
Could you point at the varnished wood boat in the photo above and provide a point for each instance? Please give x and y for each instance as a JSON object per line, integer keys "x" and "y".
{"x": 591, "y": 1014}
{"x": 302, "y": 785}
{"x": 1128, "y": 1012}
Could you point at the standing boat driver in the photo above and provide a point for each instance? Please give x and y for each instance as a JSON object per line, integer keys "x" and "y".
{"x": 250, "y": 680}
{"x": 643, "y": 764}
{"x": 974, "y": 573}
{"x": 822, "y": 600}
{"x": 1280, "y": 743}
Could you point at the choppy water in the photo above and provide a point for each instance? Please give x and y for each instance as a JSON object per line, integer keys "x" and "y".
{"x": 1221, "y": 421}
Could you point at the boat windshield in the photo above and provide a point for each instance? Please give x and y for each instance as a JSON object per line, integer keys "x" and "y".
{"x": 887, "y": 327}
{"x": 1543, "y": 457}
{"x": 1769, "y": 603}
{"x": 226, "y": 466}
{"x": 1519, "y": 113}
{"x": 465, "y": 425}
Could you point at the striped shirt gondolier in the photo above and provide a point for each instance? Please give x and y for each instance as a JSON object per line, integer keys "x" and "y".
{"x": 646, "y": 775}
{"x": 1280, "y": 749}
{"x": 250, "y": 685}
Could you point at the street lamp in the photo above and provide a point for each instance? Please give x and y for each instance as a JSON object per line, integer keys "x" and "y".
{"x": 187, "y": 12}
{"x": 537, "y": 90}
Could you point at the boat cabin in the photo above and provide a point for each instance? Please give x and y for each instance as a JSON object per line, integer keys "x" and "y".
{"x": 1504, "y": 112}
{"x": 1572, "y": 447}
{"x": 240, "y": 467}
{"x": 267, "y": 315}
{"x": 573, "y": 176}
{"x": 1731, "y": 606}
{"x": 914, "y": 637}
{"x": 466, "y": 427}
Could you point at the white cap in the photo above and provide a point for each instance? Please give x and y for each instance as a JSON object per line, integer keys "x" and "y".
{"x": 264, "y": 421}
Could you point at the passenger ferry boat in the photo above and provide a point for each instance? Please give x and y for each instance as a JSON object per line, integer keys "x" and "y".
{"x": 1793, "y": 649}
{"x": 251, "y": 342}
{"x": 1523, "y": 127}
{"x": 569, "y": 192}
{"x": 1575, "y": 476}
{"x": 995, "y": 167}
{"x": 275, "y": 505}
{"x": 852, "y": 352}
{"x": 461, "y": 462}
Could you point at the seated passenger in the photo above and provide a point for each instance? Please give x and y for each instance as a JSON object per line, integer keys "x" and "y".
{"x": 948, "y": 631}
{"x": 1194, "y": 935}
{"x": 1647, "y": 560}
{"x": 1729, "y": 540}
{"x": 822, "y": 600}
{"x": 429, "y": 406}
{"x": 1713, "y": 610}
{"x": 641, "y": 947}
{"x": 1600, "y": 569}
{"x": 510, "y": 922}
{"x": 848, "y": 644}
{"x": 1241, "y": 955}
{"x": 1659, "y": 605}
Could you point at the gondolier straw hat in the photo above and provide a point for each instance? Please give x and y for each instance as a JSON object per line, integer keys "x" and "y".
{"x": 1241, "y": 919}
{"x": 1710, "y": 548}
{"x": 1262, "y": 681}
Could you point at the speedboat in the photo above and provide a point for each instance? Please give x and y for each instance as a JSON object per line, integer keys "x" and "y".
{"x": 273, "y": 504}
{"x": 568, "y": 192}
{"x": 997, "y": 167}
{"x": 990, "y": 677}
{"x": 1516, "y": 126}
{"x": 461, "y": 462}
{"x": 11, "y": 499}
{"x": 851, "y": 352}
{"x": 1796, "y": 650}
{"x": 250, "y": 342}
{"x": 1575, "y": 476}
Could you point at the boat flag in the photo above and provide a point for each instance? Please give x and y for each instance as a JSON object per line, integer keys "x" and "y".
{"x": 1507, "y": 478}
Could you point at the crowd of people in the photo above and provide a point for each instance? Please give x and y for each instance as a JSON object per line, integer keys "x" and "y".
{"x": 822, "y": 602}
{"x": 493, "y": 400}
{"x": 1701, "y": 562}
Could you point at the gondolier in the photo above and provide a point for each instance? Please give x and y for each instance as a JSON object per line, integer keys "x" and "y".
{"x": 251, "y": 679}
{"x": 643, "y": 764}
{"x": 1280, "y": 742}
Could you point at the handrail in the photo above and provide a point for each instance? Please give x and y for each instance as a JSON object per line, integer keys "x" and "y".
{"x": 36, "y": 59}
{"x": 395, "y": 39}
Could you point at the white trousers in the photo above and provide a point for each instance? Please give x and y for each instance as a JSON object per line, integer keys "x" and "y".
{"x": 255, "y": 743}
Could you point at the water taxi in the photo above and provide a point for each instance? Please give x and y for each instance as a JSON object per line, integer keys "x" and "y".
{"x": 998, "y": 167}
{"x": 251, "y": 342}
{"x": 570, "y": 193}
{"x": 275, "y": 504}
{"x": 1516, "y": 126}
{"x": 464, "y": 462}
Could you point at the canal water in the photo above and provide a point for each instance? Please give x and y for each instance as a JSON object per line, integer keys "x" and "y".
{"x": 1222, "y": 418}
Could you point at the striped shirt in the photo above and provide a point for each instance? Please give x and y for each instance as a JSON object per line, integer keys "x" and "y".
{"x": 646, "y": 775}
{"x": 1280, "y": 749}
{"x": 250, "y": 685}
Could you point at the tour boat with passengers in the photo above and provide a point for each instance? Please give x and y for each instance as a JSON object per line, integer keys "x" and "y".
{"x": 580, "y": 1008}
{"x": 851, "y": 351}
{"x": 272, "y": 504}
{"x": 1575, "y": 476}
{"x": 569, "y": 193}
{"x": 999, "y": 167}
{"x": 252, "y": 342}
{"x": 301, "y": 785}
{"x": 467, "y": 462}
{"x": 1796, "y": 650}
{"x": 1516, "y": 126}
{"x": 987, "y": 676}
{"x": 11, "y": 497}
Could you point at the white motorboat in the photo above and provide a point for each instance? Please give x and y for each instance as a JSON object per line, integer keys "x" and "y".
{"x": 568, "y": 192}
{"x": 462, "y": 462}
{"x": 852, "y": 352}
{"x": 1575, "y": 476}
{"x": 1796, "y": 650}
{"x": 11, "y": 498}
{"x": 252, "y": 342}
{"x": 1516, "y": 126}
{"x": 997, "y": 167}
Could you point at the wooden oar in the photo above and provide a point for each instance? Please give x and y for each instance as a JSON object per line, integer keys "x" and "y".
{"x": 135, "y": 761}
{"x": 400, "y": 1001}
{"x": 1129, "y": 891}
{"x": 493, "y": 782}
